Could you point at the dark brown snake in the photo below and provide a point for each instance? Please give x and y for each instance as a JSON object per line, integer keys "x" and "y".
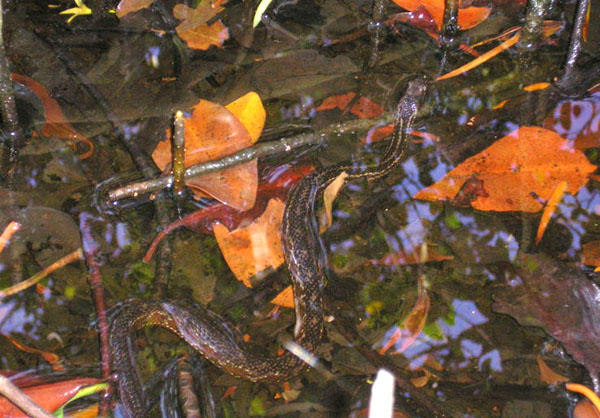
{"x": 207, "y": 333}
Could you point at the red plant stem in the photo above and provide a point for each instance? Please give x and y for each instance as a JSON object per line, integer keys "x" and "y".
{"x": 91, "y": 252}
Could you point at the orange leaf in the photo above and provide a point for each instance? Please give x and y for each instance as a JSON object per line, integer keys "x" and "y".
{"x": 128, "y": 6}
{"x": 49, "y": 396}
{"x": 536, "y": 86}
{"x": 213, "y": 132}
{"x": 399, "y": 258}
{"x": 468, "y": 17}
{"x": 285, "y": 298}
{"x": 547, "y": 375}
{"x": 528, "y": 162}
{"x": 550, "y": 208}
{"x": 548, "y": 29}
{"x": 51, "y": 358}
{"x": 482, "y": 58}
{"x": 363, "y": 108}
{"x": 407, "y": 332}
{"x": 195, "y": 30}
{"x": 256, "y": 247}
{"x": 56, "y": 123}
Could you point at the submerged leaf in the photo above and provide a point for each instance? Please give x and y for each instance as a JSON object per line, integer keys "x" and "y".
{"x": 410, "y": 328}
{"x": 518, "y": 171}
{"x": 128, "y": 6}
{"x": 56, "y": 123}
{"x": 468, "y": 17}
{"x": 213, "y": 132}
{"x": 558, "y": 298}
{"x": 256, "y": 247}
{"x": 195, "y": 30}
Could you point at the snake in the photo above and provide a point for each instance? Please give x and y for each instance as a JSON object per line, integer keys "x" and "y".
{"x": 208, "y": 334}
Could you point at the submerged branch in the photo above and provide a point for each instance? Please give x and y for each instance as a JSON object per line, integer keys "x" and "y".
{"x": 21, "y": 400}
{"x": 259, "y": 150}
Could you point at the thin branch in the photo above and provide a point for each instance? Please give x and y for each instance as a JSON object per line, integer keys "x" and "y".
{"x": 21, "y": 400}
{"x": 259, "y": 150}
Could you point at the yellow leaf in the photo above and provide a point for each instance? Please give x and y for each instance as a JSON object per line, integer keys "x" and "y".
{"x": 250, "y": 111}
{"x": 329, "y": 195}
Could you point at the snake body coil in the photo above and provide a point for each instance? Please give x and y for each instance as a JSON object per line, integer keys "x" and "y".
{"x": 207, "y": 333}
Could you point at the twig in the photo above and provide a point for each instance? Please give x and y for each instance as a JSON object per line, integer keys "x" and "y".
{"x": 95, "y": 282}
{"x": 570, "y": 70}
{"x": 8, "y": 108}
{"x": 75, "y": 255}
{"x": 259, "y": 150}
{"x": 450, "y": 27}
{"x": 21, "y": 400}
{"x": 8, "y": 232}
{"x": 531, "y": 34}
{"x": 178, "y": 155}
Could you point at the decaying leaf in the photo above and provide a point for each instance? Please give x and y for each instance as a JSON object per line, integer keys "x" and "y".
{"x": 129, "y": 6}
{"x": 212, "y": 132}
{"x": 519, "y": 172}
{"x": 195, "y": 30}
{"x": 56, "y": 123}
{"x": 468, "y": 17}
{"x": 407, "y": 332}
{"x": 256, "y": 247}
{"x": 591, "y": 254}
{"x": 329, "y": 196}
{"x": 363, "y": 108}
{"x": 559, "y": 298}
{"x": 547, "y": 375}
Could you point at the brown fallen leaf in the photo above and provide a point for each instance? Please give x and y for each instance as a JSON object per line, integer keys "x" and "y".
{"x": 363, "y": 108}
{"x": 410, "y": 328}
{"x": 519, "y": 170}
{"x": 195, "y": 31}
{"x": 255, "y": 248}
{"x": 547, "y": 375}
{"x": 468, "y": 17}
{"x": 56, "y": 123}
{"x": 128, "y": 6}
{"x": 591, "y": 253}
